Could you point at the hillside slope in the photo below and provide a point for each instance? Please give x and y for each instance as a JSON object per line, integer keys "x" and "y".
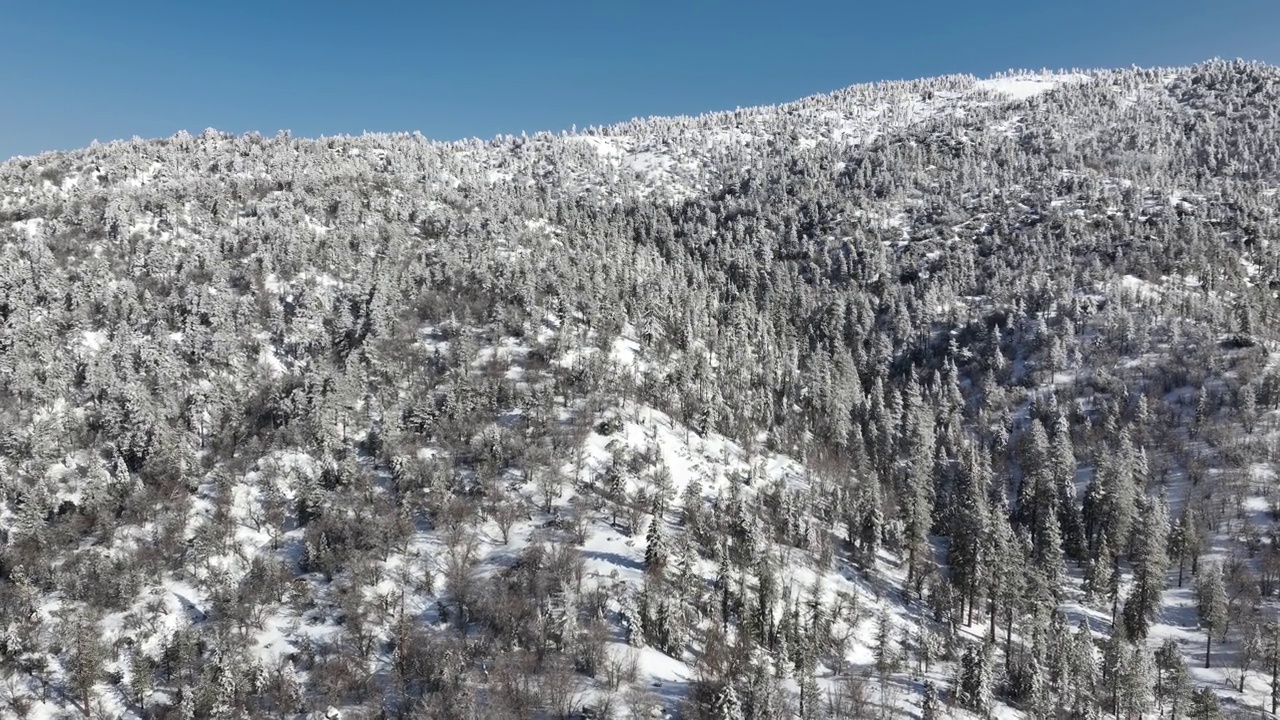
{"x": 951, "y": 397}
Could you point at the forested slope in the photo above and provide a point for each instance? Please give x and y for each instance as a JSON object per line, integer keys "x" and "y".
{"x": 917, "y": 399}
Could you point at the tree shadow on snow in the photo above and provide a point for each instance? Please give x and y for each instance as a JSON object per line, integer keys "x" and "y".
{"x": 613, "y": 559}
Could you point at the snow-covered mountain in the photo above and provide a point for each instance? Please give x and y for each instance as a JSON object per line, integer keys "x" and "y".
{"x": 951, "y": 397}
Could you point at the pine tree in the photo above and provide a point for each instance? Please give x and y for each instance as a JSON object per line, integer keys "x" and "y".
{"x": 871, "y": 523}
{"x": 84, "y": 661}
{"x": 633, "y": 622}
{"x": 1085, "y": 669}
{"x": 141, "y": 675}
{"x": 226, "y": 691}
{"x": 930, "y": 705}
{"x": 1050, "y": 561}
{"x": 1036, "y": 495}
{"x": 186, "y": 703}
{"x": 668, "y": 627}
{"x": 918, "y": 520}
{"x": 765, "y": 693}
{"x": 1184, "y": 540}
{"x": 1150, "y": 564}
{"x": 615, "y": 488}
{"x": 1247, "y": 402}
{"x": 1116, "y": 660}
{"x": 918, "y": 448}
{"x": 885, "y": 654}
{"x": 1102, "y": 581}
{"x": 1037, "y": 684}
{"x": 975, "y": 684}
{"x": 968, "y": 536}
{"x": 1204, "y": 705}
{"x": 1173, "y": 683}
{"x": 928, "y": 646}
{"x": 1211, "y": 601}
{"x": 1063, "y": 464}
{"x": 691, "y": 511}
{"x": 292, "y": 695}
{"x": 687, "y": 582}
{"x": 1110, "y": 501}
{"x": 655, "y": 552}
{"x": 1136, "y": 677}
{"x": 1008, "y": 588}
{"x": 810, "y": 694}
{"x": 727, "y": 706}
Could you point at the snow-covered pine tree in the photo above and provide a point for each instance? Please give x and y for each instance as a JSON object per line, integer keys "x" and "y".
{"x": 930, "y": 704}
{"x": 976, "y": 681}
{"x": 1211, "y": 602}
{"x": 1150, "y": 564}
{"x": 655, "y": 552}
{"x": 1172, "y": 682}
{"x": 727, "y": 706}
{"x": 1184, "y": 540}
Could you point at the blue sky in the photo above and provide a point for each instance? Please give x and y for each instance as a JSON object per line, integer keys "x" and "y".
{"x": 74, "y": 71}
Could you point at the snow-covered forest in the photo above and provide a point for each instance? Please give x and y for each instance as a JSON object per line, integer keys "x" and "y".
{"x": 946, "y": 398}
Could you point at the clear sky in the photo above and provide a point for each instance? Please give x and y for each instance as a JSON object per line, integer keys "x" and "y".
{"x": 72, "y": 71}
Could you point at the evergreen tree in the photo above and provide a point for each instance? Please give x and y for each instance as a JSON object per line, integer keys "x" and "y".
{"x": 765, "y": 689}
{"x": 1204, "y": 705}
{"x": 691, "y": 511}
{"x": 1149, "y": 567}
{"x": 885, "y": 654}
{"x": 1173, "y": 684}
{"x": 1202, "y": 408}
{"x": 1006, "y": 587}
{"x": 1063, "y": 469}
{"x": 1050, "y": 561}
{"x": 727, "y": 706}
{"x": 1103, "y": 578}
{"x": 930, "y": 705}
{"x": 687, "y": 583}
{"x": 871, "y": 523}
{"x": 1247, "y": 404}
{"x": 1117, "y": 662}
{"x": 1110, "y": 501}
{"x": 810, "y": 695}
{"x": 655, "y": 552}
{"x": 917, "y": 489}
{"x": 968, "y": 537}
{"x": 633, "y": 622}
{"x": 84, "y": 659}
{"x": 1211, "y": 601}
{"x": 975, "y": 685}
{"x": 1036, "y": 493}
{"x": 1085, "y": 669}
{"x": 1184, "y": 540}
{"x": 141, "y": 675}
{"x": 1135, "y": 680}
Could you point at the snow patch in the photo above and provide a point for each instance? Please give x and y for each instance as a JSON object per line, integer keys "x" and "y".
{"x": 94, "y": 340}
{"x": 1027, "y": 86}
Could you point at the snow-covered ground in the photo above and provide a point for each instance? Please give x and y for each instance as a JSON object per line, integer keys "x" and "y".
{"x": 1025, "y": 86}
